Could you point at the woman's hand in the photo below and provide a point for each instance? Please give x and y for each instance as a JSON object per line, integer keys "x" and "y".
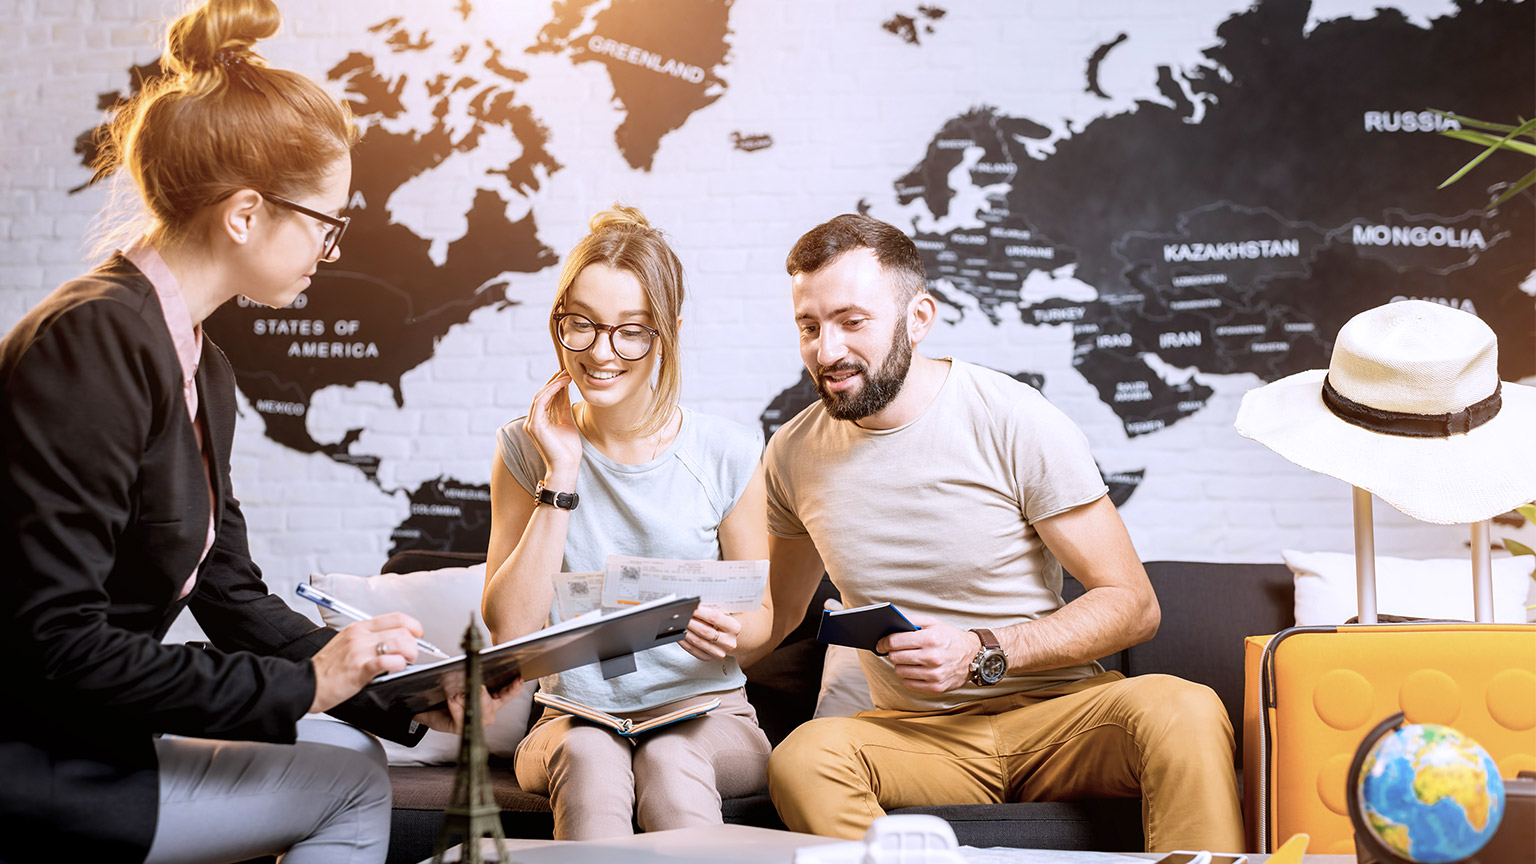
{"x": 711, "y": 633}
{"x": 552, "y": 426}
{"x": 360, "y": 652}
{"x": 450, "y": 718}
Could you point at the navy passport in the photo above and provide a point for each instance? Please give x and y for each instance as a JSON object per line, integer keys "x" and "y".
{"x": 862, "y": 626}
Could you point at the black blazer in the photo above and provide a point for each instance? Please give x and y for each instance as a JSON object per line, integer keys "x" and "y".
{"x": 103, "y": 511}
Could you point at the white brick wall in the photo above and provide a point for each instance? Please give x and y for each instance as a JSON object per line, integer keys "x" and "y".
{"x": 850, "y": 109}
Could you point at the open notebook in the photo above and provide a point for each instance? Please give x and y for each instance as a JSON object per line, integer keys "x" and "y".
{"x": 623, "y": 725}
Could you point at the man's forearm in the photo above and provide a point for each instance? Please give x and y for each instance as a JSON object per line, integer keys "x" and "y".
{"x": 1118, "y": 610}
{"x": 1101, "y": 622}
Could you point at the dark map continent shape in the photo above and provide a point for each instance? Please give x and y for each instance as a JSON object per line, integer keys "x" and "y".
{"x": 1096, "y": 60}
{"x": 446, "y": 515}
{"x": 393, "y": 302}
{"x": 695, "y": 33}
{"x": 1234, "y": 325}
{"x": 989, "y": 131}
{"x": 1286, "y": 133}
{"x": 402, "y": 304}
{"x": 802, "y": 394}
{"x": 1286, "y": 88}
{"x": 989, "y": 263}
{"x": 566, "y": 18}
{"x": 992, "y": 261}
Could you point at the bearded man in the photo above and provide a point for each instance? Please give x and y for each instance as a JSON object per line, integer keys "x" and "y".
{"x": 959, "y": 494}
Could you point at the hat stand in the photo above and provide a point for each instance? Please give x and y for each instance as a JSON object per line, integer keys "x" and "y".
{"x": 1365, "y": 563}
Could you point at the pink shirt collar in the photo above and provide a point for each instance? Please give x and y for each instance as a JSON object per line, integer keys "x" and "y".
{"x": 185, "y": 335}
{"x": 188, "y": 339}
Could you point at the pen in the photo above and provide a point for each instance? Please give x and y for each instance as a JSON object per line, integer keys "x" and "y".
{"x": 310, "y": 592}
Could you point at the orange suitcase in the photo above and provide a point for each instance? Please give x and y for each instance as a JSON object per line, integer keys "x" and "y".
{"x": 1311, "y": 694}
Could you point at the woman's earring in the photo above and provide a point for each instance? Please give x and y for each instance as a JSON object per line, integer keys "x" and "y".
{"x": 240, "y": 237}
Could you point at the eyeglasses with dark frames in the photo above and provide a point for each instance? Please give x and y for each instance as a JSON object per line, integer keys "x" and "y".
{"x": 630, "y": 341}
{"x": 338, "y": 224}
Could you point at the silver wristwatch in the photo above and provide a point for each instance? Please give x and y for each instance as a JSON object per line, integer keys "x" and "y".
{"x": 990, "y": 664}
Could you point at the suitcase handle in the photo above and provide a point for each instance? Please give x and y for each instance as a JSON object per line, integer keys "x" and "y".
{"x": 1365, "y": 563}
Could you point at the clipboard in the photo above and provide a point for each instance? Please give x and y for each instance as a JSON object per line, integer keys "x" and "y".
{"x": 612, "y": 640}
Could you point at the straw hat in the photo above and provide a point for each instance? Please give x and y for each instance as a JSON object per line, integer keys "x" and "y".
{"x": 1411, "y": 409}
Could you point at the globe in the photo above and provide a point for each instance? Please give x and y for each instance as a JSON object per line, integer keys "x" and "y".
{"x": 1428, "y": 793}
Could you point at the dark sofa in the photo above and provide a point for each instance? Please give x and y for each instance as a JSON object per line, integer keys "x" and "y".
{"x": 1207, "y": 611}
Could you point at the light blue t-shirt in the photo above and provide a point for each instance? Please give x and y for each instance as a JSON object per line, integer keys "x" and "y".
{"x": 669, "y": 507}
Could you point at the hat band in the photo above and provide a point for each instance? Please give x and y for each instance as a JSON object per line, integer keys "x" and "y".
{"x": 1412, "y": 425}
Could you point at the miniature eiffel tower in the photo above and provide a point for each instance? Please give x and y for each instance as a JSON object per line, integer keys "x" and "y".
{"x": 472, "y": 812}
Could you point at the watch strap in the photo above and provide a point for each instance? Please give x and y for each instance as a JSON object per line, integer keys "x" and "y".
{"x": 991, "y": 649}
{"x": 988, "y": 640}
{"x": 562, "y": 500}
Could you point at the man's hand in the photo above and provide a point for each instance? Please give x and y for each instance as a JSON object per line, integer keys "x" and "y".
{"x": 450, "y": 718}
{"x": 711, "y": 633}
{"x": 934, "y": 659}
{"x": 362, "y": 650}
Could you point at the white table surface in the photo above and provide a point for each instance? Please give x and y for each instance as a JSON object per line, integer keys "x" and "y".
{"x": 737, "y": 844}
{"x": 742, "y": 844}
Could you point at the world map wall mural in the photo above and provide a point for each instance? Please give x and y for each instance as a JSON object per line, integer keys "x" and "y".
{"x": 1217, "y": 228}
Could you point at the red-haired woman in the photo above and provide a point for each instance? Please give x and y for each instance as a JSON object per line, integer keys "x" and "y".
{"x": 116, "y": 510}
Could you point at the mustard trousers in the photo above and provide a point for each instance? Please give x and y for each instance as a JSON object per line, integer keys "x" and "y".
{"x": 1157, "y": 736}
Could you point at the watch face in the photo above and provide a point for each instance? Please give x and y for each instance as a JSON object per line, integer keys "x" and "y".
{"x": 993, "y": 667}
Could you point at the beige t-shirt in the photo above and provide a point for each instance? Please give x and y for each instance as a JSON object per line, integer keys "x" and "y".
{"x": 935, "y": 516}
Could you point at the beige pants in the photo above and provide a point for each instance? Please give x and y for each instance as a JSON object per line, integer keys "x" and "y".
{"x": 600, "y": 785}
{"x": 1156, "y": 736}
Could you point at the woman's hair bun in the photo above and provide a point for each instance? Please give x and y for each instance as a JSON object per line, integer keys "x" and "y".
{"x": 619, "y": 216}
{"x": 219, "y": 34}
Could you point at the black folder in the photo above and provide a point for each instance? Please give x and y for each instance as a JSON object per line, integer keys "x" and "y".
{"x": 612, "y": 639}
{"x": 862, "y": 626}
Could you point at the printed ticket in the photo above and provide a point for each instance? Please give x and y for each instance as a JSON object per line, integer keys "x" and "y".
{"x": 734, "y": 586}
{"x": 577, "y": 593}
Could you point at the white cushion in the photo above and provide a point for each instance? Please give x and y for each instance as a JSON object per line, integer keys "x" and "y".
{"x": 844, "y": 689}
{"x": 1438, "y": 588}
{"x": 443, "y": 601}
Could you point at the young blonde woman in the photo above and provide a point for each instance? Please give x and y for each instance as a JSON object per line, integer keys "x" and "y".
{"x": 627, "y": 471}
{"x": 116, "y": 511}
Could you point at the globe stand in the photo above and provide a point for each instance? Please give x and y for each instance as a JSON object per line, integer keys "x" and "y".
{"x": 1513, "y": 833}
{"x": 1369, "y": 850}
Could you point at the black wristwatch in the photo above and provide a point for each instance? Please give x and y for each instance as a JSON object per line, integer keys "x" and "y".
{"x": 990, "y": 664}
{"x": 563, "y": 500}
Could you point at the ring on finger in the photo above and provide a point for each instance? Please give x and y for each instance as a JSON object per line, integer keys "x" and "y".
{"x": 381, "y": 649}
{"x": 715, "y": 637}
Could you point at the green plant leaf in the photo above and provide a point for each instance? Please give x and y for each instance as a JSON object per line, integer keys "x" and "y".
{"x": 1528, "y": 511}
{"x": 1476, "y": 124}
{"x": 1489, "y": 141}
{"x": 1493, "y": 144}
{"x": 1526, "y": 128}
{"x": 1520, "y": 185}
{"x": 1517, "y": 548}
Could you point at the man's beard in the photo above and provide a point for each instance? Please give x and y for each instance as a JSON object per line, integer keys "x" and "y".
{"x": 879, "y": 389}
